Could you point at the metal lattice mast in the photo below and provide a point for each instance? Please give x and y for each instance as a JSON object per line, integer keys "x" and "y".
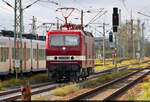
{"x": 18, "y": 28}
{"x": 143, "y": 42}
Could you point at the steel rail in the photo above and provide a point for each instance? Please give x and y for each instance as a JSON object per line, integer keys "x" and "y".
{"x": 125, "y": 88}
{"x": 32, "y": 93}
{"x": 13, "y": 91}
{"x": 97, "y": 89}
{"x": 18, "y": 90}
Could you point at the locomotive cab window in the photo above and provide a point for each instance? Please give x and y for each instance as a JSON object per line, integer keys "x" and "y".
{"x": 64, "y": 40}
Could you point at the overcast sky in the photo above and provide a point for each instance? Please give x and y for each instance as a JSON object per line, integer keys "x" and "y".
{"x": 46, "y": 12}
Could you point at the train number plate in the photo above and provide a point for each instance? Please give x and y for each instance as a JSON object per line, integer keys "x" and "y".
{"x": 64, "y": 57}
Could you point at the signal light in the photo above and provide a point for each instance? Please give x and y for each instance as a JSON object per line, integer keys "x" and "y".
{"x": 110, "y": 37}
{"x": 115, "y": 17}
{"x": 115, "y": 28}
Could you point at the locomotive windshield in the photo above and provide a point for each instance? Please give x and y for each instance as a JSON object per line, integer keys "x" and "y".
{"x": 64, "y": 40}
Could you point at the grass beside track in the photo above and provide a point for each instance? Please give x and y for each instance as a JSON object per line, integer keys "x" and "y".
{"x": 63, "y": 91}
{"x": 67, "y": 89}
{"x": 35, "y": 79}
{"x": 145, "y": 92}
{"x": 119, "y": 64}
{"x": 104, "y": 78}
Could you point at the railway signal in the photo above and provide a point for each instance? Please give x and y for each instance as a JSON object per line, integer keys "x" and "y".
{"x": 115, "y": 19}
{"x": 110, "y": 37}
{"x": 115, "y": 23}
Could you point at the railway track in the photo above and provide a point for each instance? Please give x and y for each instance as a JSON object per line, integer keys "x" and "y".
{"x": 119, "y": 68}
{"x": 111, "y": 61}
{"x": 36, "y": 89}
{"x": 16, "y": 93}
{"x": 112, "y": 89}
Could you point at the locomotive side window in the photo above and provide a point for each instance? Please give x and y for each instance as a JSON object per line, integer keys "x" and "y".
{"x": 64, "y": 40}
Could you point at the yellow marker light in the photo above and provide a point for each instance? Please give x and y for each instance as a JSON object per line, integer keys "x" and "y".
{"x": 77, "y": 58}
{"x": 51, "y": 58}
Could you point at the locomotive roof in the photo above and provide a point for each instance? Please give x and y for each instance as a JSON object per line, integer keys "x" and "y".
{"x": 84, "y": 32}
{"x": 65, "y": 31}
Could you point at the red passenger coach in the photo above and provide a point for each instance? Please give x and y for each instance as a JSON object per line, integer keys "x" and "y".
{"x": 69, "y": 54}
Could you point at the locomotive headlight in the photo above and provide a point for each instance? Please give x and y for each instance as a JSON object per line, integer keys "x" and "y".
{"x": 72, "y": 57}
{"x": 55, "y": 57}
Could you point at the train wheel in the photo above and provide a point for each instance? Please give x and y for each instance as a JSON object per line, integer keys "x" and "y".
{"x": 77, "y": 77}
{"x": 58, "y": 80}
{"x": 92, "y": 70}
{"x": 84, "y": 78}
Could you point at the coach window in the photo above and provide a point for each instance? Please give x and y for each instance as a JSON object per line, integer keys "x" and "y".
{"x": 44, "y": 54}
{"x": 34, "y": 54}
{"x": 17, "y": 53}
{"x": 0, "y": 54}
{"x": 7, "y": 53}
{"x": 40, "y": 54}
{"x": 28, "y": 53}
{"x": 4, "y": 54}
{"x": 12, "y": 51}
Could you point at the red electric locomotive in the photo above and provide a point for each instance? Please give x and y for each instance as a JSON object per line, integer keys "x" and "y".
{"x": 69, "y": 53}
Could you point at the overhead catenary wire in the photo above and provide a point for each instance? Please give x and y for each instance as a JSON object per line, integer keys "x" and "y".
{"x": 8, "y": 4}
{"x": 124, "y": 5}
{"x": 53, "y": 2}
{"x": 99, "y": 17}
{"x": 95, "y": 16}
{"x": 143, "y": 14}
{"x": 31, "y": 4}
